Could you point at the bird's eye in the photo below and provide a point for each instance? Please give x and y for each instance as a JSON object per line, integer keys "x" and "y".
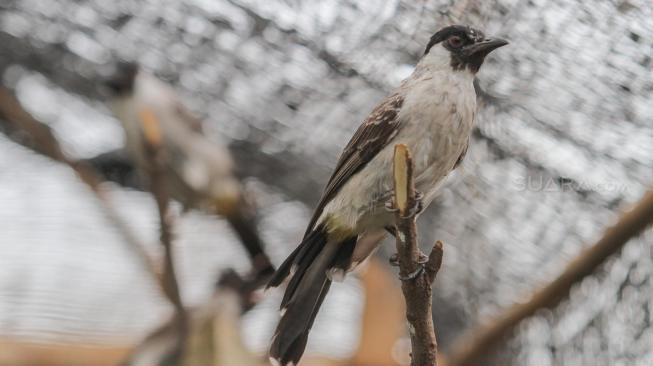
{"x": 455, "y": 42}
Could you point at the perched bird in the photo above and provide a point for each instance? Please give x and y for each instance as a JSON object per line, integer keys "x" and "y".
{"x": 432, "y": 112}
{"x": 199, "y": 173}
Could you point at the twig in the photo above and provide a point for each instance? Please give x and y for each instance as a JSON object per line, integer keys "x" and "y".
{"x": 415, "y": 270}
{"x": 242, "y": 219}
{"x": 43, "y": 141}
{"x": 152, "y": 139}
{"x": 24, "y": 129}
{"x": 478, "y": 341}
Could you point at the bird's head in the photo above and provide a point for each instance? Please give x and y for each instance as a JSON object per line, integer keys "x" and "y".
{"x": 461, "y": 47}
{"x": 121, "y": 81}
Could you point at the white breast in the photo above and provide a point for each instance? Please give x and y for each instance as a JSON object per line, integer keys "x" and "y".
{"x": 437, "y": 119}
{"x": 440, "y": 111}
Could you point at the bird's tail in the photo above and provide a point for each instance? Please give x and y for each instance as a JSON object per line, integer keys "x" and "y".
{"x": 310, "y": 265}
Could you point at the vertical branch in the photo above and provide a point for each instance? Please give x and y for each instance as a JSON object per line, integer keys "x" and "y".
{"x": 416, "y": 272}
{"x": 154, "y": 155}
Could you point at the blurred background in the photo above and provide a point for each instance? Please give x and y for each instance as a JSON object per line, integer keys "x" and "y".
{"x": 564, "y": 143}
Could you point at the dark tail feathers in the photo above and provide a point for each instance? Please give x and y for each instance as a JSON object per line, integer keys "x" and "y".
{"x": 306, "y": 291}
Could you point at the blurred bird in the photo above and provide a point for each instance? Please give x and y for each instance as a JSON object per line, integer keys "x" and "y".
{"x": 198, "y": 173}
{"x": 432, "y": 112}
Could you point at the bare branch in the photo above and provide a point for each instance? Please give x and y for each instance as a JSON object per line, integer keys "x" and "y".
{"x": 42, "y": 140}
{"x": 156, "y": 172}
{"x": 435, "y": 260}
{"x": 24, "y": 129}
{"x": 477, "y": 342}
{"x": 416, "y": 271}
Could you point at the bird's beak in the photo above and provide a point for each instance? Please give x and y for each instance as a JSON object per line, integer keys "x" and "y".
{"x": 484, "y": 47}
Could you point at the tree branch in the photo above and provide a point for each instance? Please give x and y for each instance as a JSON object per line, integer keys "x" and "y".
{"x": 478, "y": 341}
{"x": 154, "y": 155}
{"x": 18, "y": 125}
{"x": 41, "y": 139}
{"x": 416, "y": 271}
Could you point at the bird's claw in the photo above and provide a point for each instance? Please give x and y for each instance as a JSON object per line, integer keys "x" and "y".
{"x": 417, "y": 207}
{"x": 390, "y": 206}
{"x": 421, "y": 265}
{"x": 418, "y": 195}
{"x": 414, "y": 274}
{"x": 413, "y": 211}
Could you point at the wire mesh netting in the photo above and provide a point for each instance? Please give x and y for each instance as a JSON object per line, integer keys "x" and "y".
{"x": 563, "y": 141}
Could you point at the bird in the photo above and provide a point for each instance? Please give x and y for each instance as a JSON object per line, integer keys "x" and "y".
{"x": 198, "y": 172}
{"x": 432, "y": 112}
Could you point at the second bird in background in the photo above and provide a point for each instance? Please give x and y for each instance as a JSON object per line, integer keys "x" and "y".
{"x": 199, "y": 173}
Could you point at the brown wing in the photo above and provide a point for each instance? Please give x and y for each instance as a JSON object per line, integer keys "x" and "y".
{"x": 372, "y": 136}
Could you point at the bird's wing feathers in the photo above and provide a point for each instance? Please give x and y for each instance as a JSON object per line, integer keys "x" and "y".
{"x": 370, "y": 138}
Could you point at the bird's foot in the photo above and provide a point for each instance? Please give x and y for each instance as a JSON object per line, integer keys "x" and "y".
{"x": 390, "y": 206}
{"x": 421, "y": 265}
{"x": 416, "y": 208}
{"x": 413, "y": 211}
